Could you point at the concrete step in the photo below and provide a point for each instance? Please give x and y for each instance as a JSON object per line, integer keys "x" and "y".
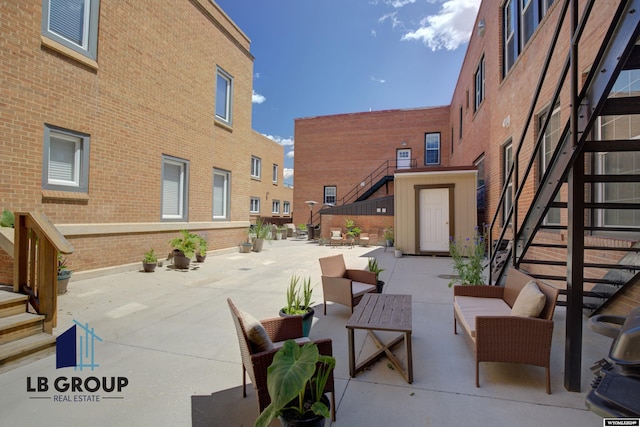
{"x": 20, "y": 326}
{"x": 26, "y": 350}
{"x": 12, "y": 303}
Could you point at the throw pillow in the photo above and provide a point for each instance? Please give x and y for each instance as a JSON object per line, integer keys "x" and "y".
{"x": 336, "y": 233}
{"x": 256, "y": 334}
{"x": 530, "y": 301}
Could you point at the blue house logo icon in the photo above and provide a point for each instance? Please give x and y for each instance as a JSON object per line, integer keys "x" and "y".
{"x": 75, "y": 347}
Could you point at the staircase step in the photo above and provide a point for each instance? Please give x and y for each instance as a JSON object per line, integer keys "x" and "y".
{"x": 12, "y": 303}
{"x": 19, "y": 326}
{"x": 26, "y": 350}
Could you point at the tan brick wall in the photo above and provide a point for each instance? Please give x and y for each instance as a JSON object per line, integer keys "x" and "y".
{"x": 344, "y": 149}
{"x": 265, "y": 189}
{"x": 150, "y": 95}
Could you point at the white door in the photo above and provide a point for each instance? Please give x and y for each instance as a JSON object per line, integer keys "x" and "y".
{"x": 434, "y": 219}
{"x": 403, "y": 158}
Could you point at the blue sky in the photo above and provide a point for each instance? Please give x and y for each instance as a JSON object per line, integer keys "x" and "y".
{"x": 323, "y": 57}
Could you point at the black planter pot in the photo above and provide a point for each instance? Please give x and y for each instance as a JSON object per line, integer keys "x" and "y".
{"x": 149, "y": 267}
{"x": 287, "y": 418}
{"x": 180, "y": 261}
{"x": 379, "y": 286}
{"x": 201, "y": 258}
{"x": 307, "y": 319}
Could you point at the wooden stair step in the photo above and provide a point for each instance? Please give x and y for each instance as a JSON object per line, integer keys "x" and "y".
{"x": 19, "y": 326}
{"x": 26, "y": 350}
{"x": 12, "y": 303}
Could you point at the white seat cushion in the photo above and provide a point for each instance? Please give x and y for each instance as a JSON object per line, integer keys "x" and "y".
{"x": 468, "y": 308}
{"x": 359, "y": 288}
{"x": 301, "y": 340}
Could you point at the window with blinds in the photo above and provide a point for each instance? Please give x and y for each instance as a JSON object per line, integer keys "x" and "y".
{"x": 73, "y": 23}
{"x": 174, "y": 188}
{"x": 65, "y": 164}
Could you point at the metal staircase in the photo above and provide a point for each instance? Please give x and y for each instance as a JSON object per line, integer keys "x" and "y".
{"x": 573, "y": 163}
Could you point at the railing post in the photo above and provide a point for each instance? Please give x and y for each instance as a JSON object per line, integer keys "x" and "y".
{"x": 20, "y": 248}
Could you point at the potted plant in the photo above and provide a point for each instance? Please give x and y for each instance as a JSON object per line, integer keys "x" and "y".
{"x": 283, "y": 232}
{"x": 469, "y": 271}
{"x": 184, "y": 248}
{"x": 7, "y": 219}
{"x": 201, "y": 253}
{"x": 245, "y": 247}
{"x": 150, "y": 261}
{"x": 388, "y": 236}
{"x": 299, "y": 302}
{"x": 398, "y": 252}
{"x": 352, "y": 230}
{"x": 64, "y": 274}
{"x": 262, "y": 231}
{"x": 296, "y": 380}
{"x": 373, "y": 267}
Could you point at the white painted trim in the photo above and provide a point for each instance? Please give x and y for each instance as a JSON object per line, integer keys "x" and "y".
{"x": 149, "y": 227}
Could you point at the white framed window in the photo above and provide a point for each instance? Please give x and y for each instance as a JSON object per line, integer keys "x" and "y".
{"x": 550, "y": 140}
{"x": 507, "y": 161}
{"x": 528, "y": 23}
{"x": 286, "y": 208}
{"x": 65, "y": 164}
{"x": 330, "y": 195}
{"x": 432, "y": 148}
{"x": 275, "y": 206}
{"x": 256, "y": 167}
{"x": 72, "y": 23}
{"x": 224, "y": 96}
{"x": 221, "y": 193}
{"x": 255, "y": 205}
{"x": 479, "y": 85}
{"x": 175, "y": 184}
{"x": 275, "y": 174}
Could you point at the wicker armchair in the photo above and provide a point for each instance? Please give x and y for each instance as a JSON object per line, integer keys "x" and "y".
{"x": 342, "y": 285}
{"x": 255, "y": 363}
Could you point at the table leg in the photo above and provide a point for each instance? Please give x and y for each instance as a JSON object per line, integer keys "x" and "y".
{"x": 352, "y": 356}
{"x": 407, "y": 341}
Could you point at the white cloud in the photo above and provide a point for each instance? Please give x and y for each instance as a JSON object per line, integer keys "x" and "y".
{"x": 448, "y": 29}
{"x": 287, "y": 173}
{"x": 289, "y": 154}
{"x": 374, "y": 33}
{"x": 381, "y": 81}
{"x": 257, "y": 75}
{"x": 393, "y": 17}
{"x": 256, "y": 98}
{"x": 398, "y": 3}
{"x": 280, "y": 140}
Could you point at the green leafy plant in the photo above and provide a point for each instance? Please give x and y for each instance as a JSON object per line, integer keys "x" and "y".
{"x": 352, "y": 229}
{"x": 388, "y": 234}
{"x": 7, "y": 219}
{"x": 185, "y": 244}
{"x": 373, "y": 266}
{"x": 298, "y": 296}
{"x": 63, "y": 269}
{"x": 302, "y": 227}
{"x": 297, "y": 377}
{"x": 468, "y": 258}
{"x": 262, "y": 229}
{"x": 202, "y": 246}
{"x": 150, "y": 257}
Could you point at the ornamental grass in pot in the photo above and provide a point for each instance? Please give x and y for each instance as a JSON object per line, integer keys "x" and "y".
{"x": 299, "y": 302}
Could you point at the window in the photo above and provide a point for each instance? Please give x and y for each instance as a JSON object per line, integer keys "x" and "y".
{"x": 479, "y": 84}
{"x": 620, "y": 163}
{"x": 286, "y": 208}
{"x": 72, "y": 23}
{"x": 65, "y": 165}
{"x": 224, "y": 97}
{"x": 221, "y": 187}
{"x": 480, "y": 189}
{"x": 275, "y": 174}
{"x": 255, "y": 205}
{"x": 432, "y": 148}
{"x": 330, "y": 195}
{"x": 550, "y": 140}
{"x": 507, "y": 157}
{"x": 520, "y": 18}
{"x": 275, "y": 206}
{"x": 175, "y": 182}
{"x": 256, "y": 166}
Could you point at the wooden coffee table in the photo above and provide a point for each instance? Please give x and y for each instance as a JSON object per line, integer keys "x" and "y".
{"x": 382, "y": 312}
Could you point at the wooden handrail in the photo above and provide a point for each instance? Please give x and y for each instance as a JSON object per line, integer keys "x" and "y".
{"x": 37, "y": 243}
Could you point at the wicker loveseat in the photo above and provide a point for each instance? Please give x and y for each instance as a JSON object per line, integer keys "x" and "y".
{"x": 494, "y": 324}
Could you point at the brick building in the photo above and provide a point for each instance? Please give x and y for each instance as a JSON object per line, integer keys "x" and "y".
{"x": 495, "y": 119}
{"x": 120, "y": 134}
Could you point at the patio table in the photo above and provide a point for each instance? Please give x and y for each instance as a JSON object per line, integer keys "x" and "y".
{"x": 382, "y": 312}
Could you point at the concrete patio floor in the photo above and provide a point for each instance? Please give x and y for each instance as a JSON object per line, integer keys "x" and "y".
{"x": 171, "y": 335}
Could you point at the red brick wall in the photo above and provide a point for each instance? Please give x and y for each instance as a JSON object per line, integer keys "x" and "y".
{"x": 367, "y": 223}
{"x": 342, "y": 150}
{"x": 150, "y": 95}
